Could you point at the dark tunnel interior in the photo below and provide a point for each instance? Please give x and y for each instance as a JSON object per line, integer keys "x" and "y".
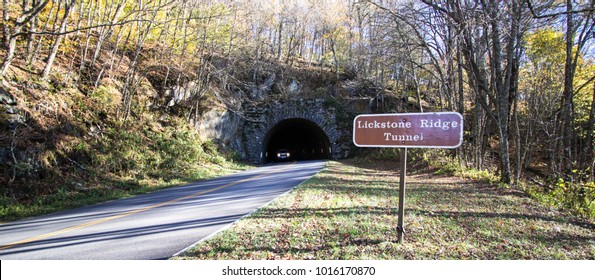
{"x": 303, "y": 139}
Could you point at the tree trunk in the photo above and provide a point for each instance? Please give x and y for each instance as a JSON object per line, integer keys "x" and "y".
{"x": 131, "y": 73}
{"x": 567, "y": 106}
{"x": 502, "y": 95}
{"x": 6, "y": 27}
{"x": 517, "y": 138}
{"x": 58, "y": 41}
{"x": 461, "y": 81}
{"x": 335, "y": 60}
{"x": 279, "y": 38}
{"x": 11, "y": 47}
{"x": 31, "y": 38}
{"x": 85, "y": 51}
{"x": 590, "y": 153}
{"x": 41, "y": 37}
{"x": 104, "y": 35}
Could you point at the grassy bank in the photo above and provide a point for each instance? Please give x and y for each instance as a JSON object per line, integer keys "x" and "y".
{"x": 74, "y": 167}
{"x": 348, "y": 211}
{"x": 78, "y": 193}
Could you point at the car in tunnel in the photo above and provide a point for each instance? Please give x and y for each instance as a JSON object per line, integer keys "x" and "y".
{"x": 283, "y": 154}
{"x": 295, "y": 140}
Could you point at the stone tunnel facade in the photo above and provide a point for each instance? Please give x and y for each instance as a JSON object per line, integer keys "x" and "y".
{"x": 261, "y": 119}
{"x": 246, "y": 131}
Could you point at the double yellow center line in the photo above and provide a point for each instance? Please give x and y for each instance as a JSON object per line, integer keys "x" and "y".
{"x": 132, "y": 212}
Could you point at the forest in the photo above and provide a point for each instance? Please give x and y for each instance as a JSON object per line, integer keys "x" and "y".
{"x": 83, "y": 74}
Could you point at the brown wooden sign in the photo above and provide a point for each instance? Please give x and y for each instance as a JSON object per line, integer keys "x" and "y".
{"x": 411, "y": 130}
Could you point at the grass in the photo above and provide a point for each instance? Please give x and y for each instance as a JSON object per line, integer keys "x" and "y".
{"x": 348, "y": 211}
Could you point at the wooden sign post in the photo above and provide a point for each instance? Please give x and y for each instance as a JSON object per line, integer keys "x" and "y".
{"x": 411, "y": 130}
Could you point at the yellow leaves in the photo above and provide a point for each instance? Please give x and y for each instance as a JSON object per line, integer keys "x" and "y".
{"x": 546, "y": 45}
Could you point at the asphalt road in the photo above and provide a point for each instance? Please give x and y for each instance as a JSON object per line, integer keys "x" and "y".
{"x": 151, "y": 226}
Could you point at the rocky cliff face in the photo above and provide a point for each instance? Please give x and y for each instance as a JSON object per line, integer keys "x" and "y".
{"x": 10, "y": 119}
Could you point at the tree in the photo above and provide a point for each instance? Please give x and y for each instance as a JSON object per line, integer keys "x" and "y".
{"x": 13, "y": 27}
{"x": 579, "y": 25}
{"x": 490, "y": 32}
{"x": 58, "y": 40}
{"x": 542, "y": 87}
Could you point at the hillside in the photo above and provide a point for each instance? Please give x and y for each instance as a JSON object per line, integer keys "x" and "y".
{"x": 65, "y": 143}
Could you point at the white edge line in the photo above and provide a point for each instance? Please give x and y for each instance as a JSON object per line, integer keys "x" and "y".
{"x": 241, "y": 218}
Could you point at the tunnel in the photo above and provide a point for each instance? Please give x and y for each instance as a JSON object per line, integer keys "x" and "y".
{"x": 301, "y": 138}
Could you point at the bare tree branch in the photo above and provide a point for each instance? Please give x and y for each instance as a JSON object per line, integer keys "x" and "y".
{"x": 535, "y": 15}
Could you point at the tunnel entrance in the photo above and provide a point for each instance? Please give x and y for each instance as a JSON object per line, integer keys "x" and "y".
{"x": 301, "y": 138}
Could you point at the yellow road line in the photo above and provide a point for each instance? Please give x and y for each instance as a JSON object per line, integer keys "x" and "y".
{"x": 99, "y": 221}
